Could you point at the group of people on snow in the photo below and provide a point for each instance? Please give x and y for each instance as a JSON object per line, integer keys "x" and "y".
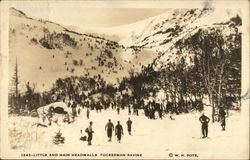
{"x": 109, "y": 127}
{"x": 70, "y": 112}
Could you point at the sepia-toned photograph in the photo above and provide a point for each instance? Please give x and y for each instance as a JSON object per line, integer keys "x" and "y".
{"x": 116, "y": 80}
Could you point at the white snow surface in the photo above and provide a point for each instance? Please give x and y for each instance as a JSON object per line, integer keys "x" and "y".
{"x": 151, "y": 138}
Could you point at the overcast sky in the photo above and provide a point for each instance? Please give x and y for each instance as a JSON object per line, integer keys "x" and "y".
{"x": 91, "y": 17}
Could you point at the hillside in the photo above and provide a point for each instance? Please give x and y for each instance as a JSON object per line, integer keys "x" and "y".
{"x": 164, "y": 30}
{"x": 46, "y": 51}
{"x": 188, "y": 46}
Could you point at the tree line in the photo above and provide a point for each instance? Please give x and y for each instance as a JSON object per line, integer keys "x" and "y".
{"x": 208, "y": 65}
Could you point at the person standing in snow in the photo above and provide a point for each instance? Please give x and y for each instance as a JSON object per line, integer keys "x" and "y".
{"x": 129, "y": 109}
{"x": 119, "y": 131}
{"x": 118, "y": 110}
{"x": 109, "y": 127}
{"x": 90, "y": 132}
{"x": 222, "y": 115}
{"x": 129, "y": 124}
{"x": 204, "y": 125}
{"x": 88, "y": 113}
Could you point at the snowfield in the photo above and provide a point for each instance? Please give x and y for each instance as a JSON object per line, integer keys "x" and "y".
{"x": 166, "y": 136}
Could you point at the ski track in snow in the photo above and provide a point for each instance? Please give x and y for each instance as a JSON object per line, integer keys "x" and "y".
{"x": 182, "y": 135}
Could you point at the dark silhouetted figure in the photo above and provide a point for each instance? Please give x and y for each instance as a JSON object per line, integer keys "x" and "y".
{"x": 204, "y": 127}
{"x": 129, "y": 124}
{"x": 119, "y": 131}
{"x": 222, "y": 115}
{"x": 90, "y": 132}
{"x": 88, "y": 113}
{"x": 109, "y": 127}
{"x": 79, "y": 111}
{"x": 129, "y": 110}
{"x": 118, "y": 110}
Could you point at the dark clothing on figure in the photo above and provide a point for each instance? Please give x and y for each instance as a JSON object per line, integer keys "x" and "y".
{"x": 222, "y": 115}
{"x": 110, "y": 127}
{"x": 204, "y": 127}
{"x": 88, "y": 114}
{"x": 90, "y": 134}
{"x": 109, "y": 132}
{"x": 223, "y": 123}
{"x": 129, "y": 128}
{"x": 129, "y": 123}
{"x": 119, "y": 131}
{"x": 204, "y": 119}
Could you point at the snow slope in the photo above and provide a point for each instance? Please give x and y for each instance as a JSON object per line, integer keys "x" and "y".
{"x": 152, "y": 31}
{"x": 139, "y": 44}
{"x": 41, "y": 66}
{"x": 179, "y": 136}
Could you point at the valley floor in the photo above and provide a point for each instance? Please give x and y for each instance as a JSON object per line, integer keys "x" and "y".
{"x": 162, "y": 139}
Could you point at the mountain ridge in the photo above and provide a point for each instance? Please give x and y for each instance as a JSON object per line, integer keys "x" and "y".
{"x": 87, "y": 54}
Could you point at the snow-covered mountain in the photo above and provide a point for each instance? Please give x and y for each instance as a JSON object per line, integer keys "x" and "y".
{"x": 176, "y": 24}
{"x": 161, "y": 33}
{"x": 158, "y": 30}
{"x": 46, "y": 51}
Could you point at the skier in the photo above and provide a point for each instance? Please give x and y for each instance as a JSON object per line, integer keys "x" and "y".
{"x": 222, "y": 115}
{"x": 118, "y": 110}
{"x": 129, "y": 109}
{"x": 90, "y": 132}
{"x": 109, "y": 127}
{"x": 88, "y": 113}
{"x": 204, "y": 127}
{"x": 119, "y": 131}
{"x": 129, "y": 123}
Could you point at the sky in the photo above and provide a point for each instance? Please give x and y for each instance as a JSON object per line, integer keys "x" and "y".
{"x": 91, "y": 17}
